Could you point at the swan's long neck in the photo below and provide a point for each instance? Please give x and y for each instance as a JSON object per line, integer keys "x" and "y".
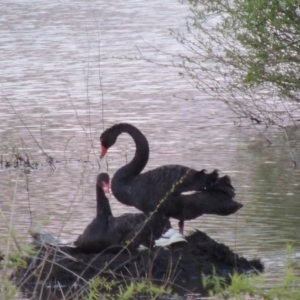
{"x": 103, "y": 206}
{"x": 140, "y": 159}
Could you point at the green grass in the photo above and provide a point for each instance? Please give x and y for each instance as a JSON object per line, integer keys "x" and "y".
{"x": 254, "y": 287}
{"x": 100, "y": 288}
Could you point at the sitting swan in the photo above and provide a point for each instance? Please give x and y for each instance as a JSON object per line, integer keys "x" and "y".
{"x": 106, "y": 231}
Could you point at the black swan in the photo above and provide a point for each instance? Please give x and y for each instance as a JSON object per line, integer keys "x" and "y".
{"x": 161, "y": 189}
{"x": 106, "y": 231}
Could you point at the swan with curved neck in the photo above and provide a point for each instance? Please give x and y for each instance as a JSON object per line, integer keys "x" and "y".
{"x": 161, "y": 189}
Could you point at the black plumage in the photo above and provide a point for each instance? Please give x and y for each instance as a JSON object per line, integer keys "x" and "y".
{"x": 107, "y": 231}
{"x": 161, "y": 189}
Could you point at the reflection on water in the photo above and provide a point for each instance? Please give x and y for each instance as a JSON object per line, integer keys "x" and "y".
{"x": 63, "y": 81}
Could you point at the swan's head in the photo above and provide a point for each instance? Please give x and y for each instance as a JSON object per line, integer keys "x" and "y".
{"x": 103, "y": 182}
{"x": 108, "y": 138}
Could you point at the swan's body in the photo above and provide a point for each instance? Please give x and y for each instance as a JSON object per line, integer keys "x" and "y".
{"x": 161, "y": 189}
{"x": 107, "y": 231}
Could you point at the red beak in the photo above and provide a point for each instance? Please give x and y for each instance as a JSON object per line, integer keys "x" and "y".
{"x": 105, "y": 187}
{"x": 103, "y": 151}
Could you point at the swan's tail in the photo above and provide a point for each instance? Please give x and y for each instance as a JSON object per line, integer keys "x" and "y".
{"x": 221, "y": 197}
{"x": 201, "y": 180}
{"x": 224, "y": 185}
{"x": 212, "y": 178}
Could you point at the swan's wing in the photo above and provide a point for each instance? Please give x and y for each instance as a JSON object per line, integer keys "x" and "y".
{"x": 148, "y": 230}
{"x": 94, "y": 232}
{"x": 178, "y": 179}
{"x": 128, "y": 221}
{"x": 146, "y": 190}
{"x": 164, "y": 174}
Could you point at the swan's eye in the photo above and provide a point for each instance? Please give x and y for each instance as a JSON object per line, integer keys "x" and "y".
{"x": 105, "y": 142}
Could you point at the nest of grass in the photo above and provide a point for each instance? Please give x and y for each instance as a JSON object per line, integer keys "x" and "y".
{"x": 180, "y": 266}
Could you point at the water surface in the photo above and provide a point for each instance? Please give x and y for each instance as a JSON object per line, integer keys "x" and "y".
{"x": 68, "y": 69}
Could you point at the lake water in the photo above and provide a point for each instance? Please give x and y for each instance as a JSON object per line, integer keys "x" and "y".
{"x": 68, "y": 69}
